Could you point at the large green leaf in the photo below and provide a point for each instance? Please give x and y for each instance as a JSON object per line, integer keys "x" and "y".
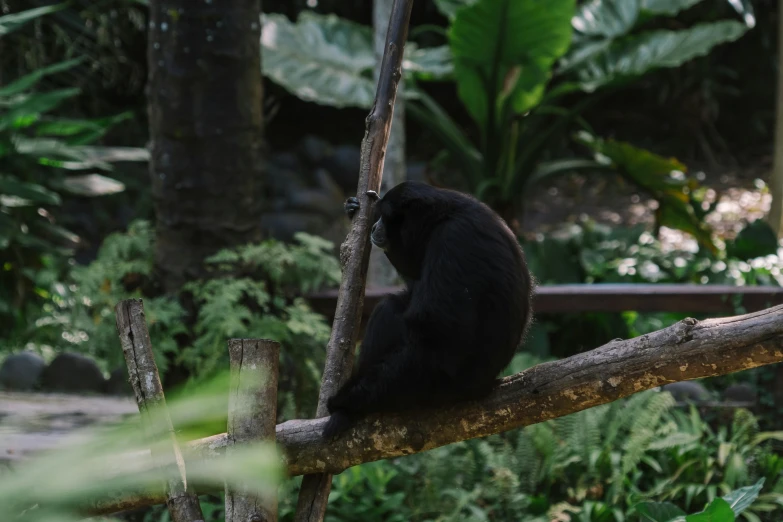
{"x": 504, "y": 51}
{"x": 324, "y": 59}
{"x": 11, "y": 22}
{"x": 329, "y": 60}
{"x": 636, "y": 55}
{"x": 741, "y": 499}
{"x": 663, "y": 178}
{"x": 717, "y": 511}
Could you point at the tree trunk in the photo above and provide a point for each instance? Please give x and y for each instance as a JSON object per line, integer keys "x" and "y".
{"x": 204, "y": 102}
{"x": 381, "y": 272}
{"x": 776, "y": 182}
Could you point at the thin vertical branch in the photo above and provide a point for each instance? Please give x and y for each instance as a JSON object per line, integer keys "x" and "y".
{"x": 775, "y": 217}
{"x": 381, "y": 272}
{"x": 252, "y": 416}
{"x": 355, "y": 251}
{"x": 137, "y": 348}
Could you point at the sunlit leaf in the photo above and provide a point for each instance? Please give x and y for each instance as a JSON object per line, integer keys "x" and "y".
{"x": 741, "y": 499}
{"x": 92, "y": 185}
{"x": 663, "y": 178}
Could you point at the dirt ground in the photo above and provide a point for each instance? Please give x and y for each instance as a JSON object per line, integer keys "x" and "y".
{"x": 742, "y": 193}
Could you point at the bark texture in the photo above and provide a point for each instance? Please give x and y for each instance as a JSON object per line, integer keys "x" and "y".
{"x": 687, "y": 350}
{"x": 204, "y": 103}
{"x": 181, "y": 501}
{"x": 252, "y": 415}
{"x": 355, "y": 251}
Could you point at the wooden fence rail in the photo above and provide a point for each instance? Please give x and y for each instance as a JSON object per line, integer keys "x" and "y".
{"x": 609, "y": 297}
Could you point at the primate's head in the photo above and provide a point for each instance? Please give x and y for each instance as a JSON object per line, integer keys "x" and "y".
{"x": 405, "y": 217}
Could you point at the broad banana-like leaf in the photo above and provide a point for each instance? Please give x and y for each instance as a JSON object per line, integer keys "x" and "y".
{"x": 741, "y": 499}
{"x": 329, "y": 60}
{"x": 504, "y": 51}
{"x": 636, "y": 55}
{"x": 716, "y": 511}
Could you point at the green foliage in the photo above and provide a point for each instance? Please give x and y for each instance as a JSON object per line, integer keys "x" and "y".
{"x": 37, "y": 150}
{"x": 755, "y": 240}
{"x": 595, "y": 253}
{"x": 328, "y": 60}
{"x": 253, "y": 291}
{"x": 81, "y": 316}
{"x": 605, "y": 51}
{"x": 679, "y": 201}
{"x": 633, "y": 459}
{"x": 502, "y": 56}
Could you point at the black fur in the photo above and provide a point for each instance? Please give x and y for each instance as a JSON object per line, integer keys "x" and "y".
{"x": 459, "y": 321}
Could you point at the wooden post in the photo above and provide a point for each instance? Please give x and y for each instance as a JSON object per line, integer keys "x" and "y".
{"x": 252, "y": 416}
{"x": 355, "y": 251}
{"x": 137, "y": 348}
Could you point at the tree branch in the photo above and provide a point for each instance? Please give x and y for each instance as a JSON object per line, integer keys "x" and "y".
{"x": 355, "y": 251}
{"x": 687, "y": 350}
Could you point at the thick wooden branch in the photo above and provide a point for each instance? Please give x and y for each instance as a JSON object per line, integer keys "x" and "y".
{"x": 687, "y": 350}
{"x": 181, "y": 500}
{"x": 252, "y": 415}
{"x": 355, "y": 251}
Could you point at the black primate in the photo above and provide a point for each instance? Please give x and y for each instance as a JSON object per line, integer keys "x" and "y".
{"x": 463, "y": 313}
